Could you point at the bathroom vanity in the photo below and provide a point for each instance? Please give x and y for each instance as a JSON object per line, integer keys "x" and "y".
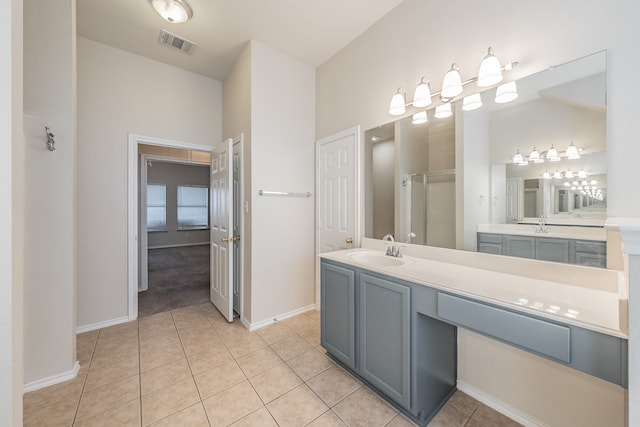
{"x": 393, "y": 322}
{"x": 568, "y": 244}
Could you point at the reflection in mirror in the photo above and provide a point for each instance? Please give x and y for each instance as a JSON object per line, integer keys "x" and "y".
{"x": 411, "y": 170}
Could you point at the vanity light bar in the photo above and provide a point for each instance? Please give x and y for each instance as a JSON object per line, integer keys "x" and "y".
{"x": 490, "y": 73}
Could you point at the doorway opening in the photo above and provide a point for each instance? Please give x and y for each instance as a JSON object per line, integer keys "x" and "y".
{"x": 174, "y": 229}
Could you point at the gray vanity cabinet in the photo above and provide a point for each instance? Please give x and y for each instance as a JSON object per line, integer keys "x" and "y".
{"x": 520, "y": 246}
{"x": 384, "y": 336}
{"x": 550, "y": 249}
{"x": 338, "y": 314}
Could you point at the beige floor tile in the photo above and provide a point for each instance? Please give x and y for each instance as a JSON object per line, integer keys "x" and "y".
{"x": 122, "y": 329}
{"x": 109, "y": 373}
{"x": 449, "y": 416}
{"x": 300, "y": 322}
{"x": 157, "y": 342}
{"x": 106, "y": 360}
{"x": 297, "y": 407}
{"x": 490, "y": 417}
{"x": 463, "y": 402}
{"x": 400, "y": 421}
{"x": 87, "y": 337}
{"x": 164, "y": 376}
{"x": 60, "y": 413}
{"x": 274, "y": 333}
{"x": 161, "y": 357}
{"x": 109, "y": 396}
{"x": 243, "y": 344}
{"x": 125, "y": 415}
{"x": 49, "y": 395}
{"x": 333, "y": 385}
{"x": 473, "y": 423}
{"x": 206, "y": 342}
{"x": 258, "y": 361}
{"x": 311, "y": 335}
{"x": 203, "y": 361}
{"x": 313, "y": 315}
{"x": 309, "y": 364}
{"x": 219, "y": 378}
{"x": 113, "y": 347}
{"x": 291, "y": 347}
{"x": 156, "y": 329}
{"x": 364, "y": 408}
{"x": 231, "y": 405}
{"x": 155, "y": 319}
{"x": 259, "y": 418}
{"x": 328, "y": 419}
{"x": 193, "y": 416}
{"x": 274, "y": 382}
{"x": 166, "y": 401}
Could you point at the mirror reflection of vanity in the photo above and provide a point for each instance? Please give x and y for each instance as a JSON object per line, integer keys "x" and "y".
{"x": 453, "y": 182}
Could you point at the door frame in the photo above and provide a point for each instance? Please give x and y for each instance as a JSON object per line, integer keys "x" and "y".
{"x": 133, "y": 208}
{"x": 357, "y": 174}
{"x": 239, "y": 141}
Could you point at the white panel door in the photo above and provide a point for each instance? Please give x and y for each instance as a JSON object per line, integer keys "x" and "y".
{"x": 336, "y": 202}
{"x": 221, "y": 212}
{"x": 513, "y": 200}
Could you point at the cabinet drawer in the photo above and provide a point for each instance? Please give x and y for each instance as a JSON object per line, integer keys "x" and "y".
{"x": 591, "y": 247}
{"x": 532, "y": 334}
{"x": 490, "y": 238}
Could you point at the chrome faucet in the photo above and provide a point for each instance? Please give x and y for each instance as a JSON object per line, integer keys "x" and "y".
{"x": 542, "y": 225}
{"x": 410, "y": 236}
{"x": 392, "y": 250}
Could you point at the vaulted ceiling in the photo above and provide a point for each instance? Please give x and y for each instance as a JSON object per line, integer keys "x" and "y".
{"x": 311, "y": 32}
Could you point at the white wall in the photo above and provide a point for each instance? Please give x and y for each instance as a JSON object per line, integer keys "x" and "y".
{"x": 236, "y": 101}
{"x": 11, "y": 212}
{"x": 355, "y": 86}
{"x": 121, "y": 93}
{"x": 49, "y": 275}
{"x": 282, "y": 151}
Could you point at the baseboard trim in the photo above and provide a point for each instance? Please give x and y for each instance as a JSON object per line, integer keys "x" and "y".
{"x": 500, "y": 406}
{"x": 263, "y": 323}
{"x": 55, "y": 379}
{"x": 100, "y": 325}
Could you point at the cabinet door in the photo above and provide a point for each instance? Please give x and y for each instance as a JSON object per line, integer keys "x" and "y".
{"x": 549, "y": 249}
{"x": 384, "y": 337}
{"x": 520, "y": 246}
{"x": 338, "y": 314}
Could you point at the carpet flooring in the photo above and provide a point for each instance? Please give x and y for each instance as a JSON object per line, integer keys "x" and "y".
{"x": 178, "y": 277}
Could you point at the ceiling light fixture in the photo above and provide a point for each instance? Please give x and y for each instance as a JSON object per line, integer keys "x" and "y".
{"x": 397, "y": 105}
{"x": 490, "y": 71}
{"x": 557, "y": 174}
{"x": 174, "y": 11}
{"x": 517, "y": 158}
{"x": 422, "y": 94}
{"x": 534, "y": 156}
{"x": 552, "y": 154}
{"x": 452, "y": 85}
{"x": 572, "y": 152}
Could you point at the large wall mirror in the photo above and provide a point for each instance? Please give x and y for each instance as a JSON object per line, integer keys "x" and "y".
{"x": 439, "y": 182}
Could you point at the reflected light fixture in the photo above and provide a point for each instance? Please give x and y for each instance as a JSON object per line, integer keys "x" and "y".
{"x": 572, "y": 152}
{"x": 452, "y": 83}
{"x": 546, "y": 175}
{"x": 490, "y": 71}
{"x": 566, "y": 184}
{"x": 568, "y": 174}
{"x": 443, "y": 111}
{"x": 557, "y": 174}
{"x": 582, "y": 174}
{"x": 397, "y": 105}
{"x": 419, "y": 118}
{"x": 422, "y": 94}
{"x": 534, "y": 156}
{"x": 552, "y": 154}
{"x": 472, "y": 102}
{"x": 174, "y": 11}
{"x": 517, "y": 158}
{"x": 506, "y": 93}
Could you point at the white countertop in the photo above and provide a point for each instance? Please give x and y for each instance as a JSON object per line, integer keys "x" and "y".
{"x": 587, "y": 307}
{"x": 557, "y": 231}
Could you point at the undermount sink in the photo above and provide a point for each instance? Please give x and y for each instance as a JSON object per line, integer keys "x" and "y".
{"x": 376, "y": 259}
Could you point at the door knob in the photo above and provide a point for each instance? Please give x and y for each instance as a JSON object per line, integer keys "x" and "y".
{"x": 236, "y": 238}
{"x": 349, "y": 240}
{"x": 225, "y": 240}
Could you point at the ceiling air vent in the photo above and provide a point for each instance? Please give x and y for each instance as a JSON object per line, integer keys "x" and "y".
{"x": 176, "y": 42}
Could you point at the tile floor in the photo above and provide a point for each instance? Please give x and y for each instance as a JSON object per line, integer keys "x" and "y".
{"x": 188, "y": 367}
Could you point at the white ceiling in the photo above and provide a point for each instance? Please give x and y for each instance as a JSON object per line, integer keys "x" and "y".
{"x": 311, "y": 32}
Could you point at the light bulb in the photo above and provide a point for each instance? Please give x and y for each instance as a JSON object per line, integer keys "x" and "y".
{"x": 552, "y": 154}
{"x": 517, "y": 158}
{"x": 490, "y": 71}
{"x": 422, "y": 94}
{"x": 572, "y": 152}
{"x": 452, "y": 83}
{"x": 397, "y": 105}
